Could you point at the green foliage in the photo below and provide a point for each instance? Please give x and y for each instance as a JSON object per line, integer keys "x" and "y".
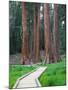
{"x": 16, "y": 71}
{"x": 15, "y": 18}
{"x": 55, "y": 75}
{"x": 62, "y": 28}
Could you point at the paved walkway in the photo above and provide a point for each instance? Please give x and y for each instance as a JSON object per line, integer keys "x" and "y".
{"x": 30, "y": 80}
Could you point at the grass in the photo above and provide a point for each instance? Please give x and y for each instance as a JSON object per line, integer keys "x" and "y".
{"x": 16, "y": 71}
{"x": 55, "y": 75}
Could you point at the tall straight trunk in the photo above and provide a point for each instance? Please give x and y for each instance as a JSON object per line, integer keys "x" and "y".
{"x": 30, "y": 42}
{"x": 56, "y": 34}
{"x": 25, "y": 36}
{"x": 36, "y": 33}
{"x": 47, "y": 35}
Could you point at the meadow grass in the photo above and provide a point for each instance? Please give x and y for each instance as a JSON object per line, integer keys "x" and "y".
{"x": 16, "y": 71}
{"x": 55, "y": 75}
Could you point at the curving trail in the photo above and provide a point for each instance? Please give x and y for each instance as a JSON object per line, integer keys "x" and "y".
{"x": 30, "y": 80}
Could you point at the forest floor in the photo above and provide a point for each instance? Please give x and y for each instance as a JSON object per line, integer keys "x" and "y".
{"x": 15, "y": 59}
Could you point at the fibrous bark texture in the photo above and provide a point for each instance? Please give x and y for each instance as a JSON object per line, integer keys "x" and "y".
{"x": 24, "y": 59}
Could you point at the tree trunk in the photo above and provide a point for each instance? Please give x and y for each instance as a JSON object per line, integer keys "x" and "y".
{"x": 25, "y": 36}
{"x": 36, "y": 33}
{"x": 56, "y": 34}
{"x": 47, "y": 34}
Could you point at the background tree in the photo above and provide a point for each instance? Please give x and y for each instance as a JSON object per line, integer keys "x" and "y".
{"x": 15, "y": 25}
{"x": 62, "y": 28}
{"x": 37, "y": 34}
{"x": 30, "y": 17}
{"x": 34, "y": 35}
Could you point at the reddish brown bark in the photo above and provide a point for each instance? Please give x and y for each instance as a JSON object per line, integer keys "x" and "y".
{"x": 36, "y": 33}
{"x": 47, "y": 34}
{"x": 56, "y": 34}
{"x": 25, "y": 36}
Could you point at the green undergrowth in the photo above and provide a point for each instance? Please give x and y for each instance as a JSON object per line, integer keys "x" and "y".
{"x": 16, "y": 71}
{"x": 55, "y": 75}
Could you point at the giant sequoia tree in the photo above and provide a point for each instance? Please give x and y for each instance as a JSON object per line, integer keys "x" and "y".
{"x": 25, "y": 35}
{"x": 36, "y": 33}
{"x": 56, "y": 34}
{"x": 47, "y": 34}
{"x": 26, "y": 32}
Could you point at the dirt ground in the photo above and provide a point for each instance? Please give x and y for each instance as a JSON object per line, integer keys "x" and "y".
{"x": 15, "y": 59}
